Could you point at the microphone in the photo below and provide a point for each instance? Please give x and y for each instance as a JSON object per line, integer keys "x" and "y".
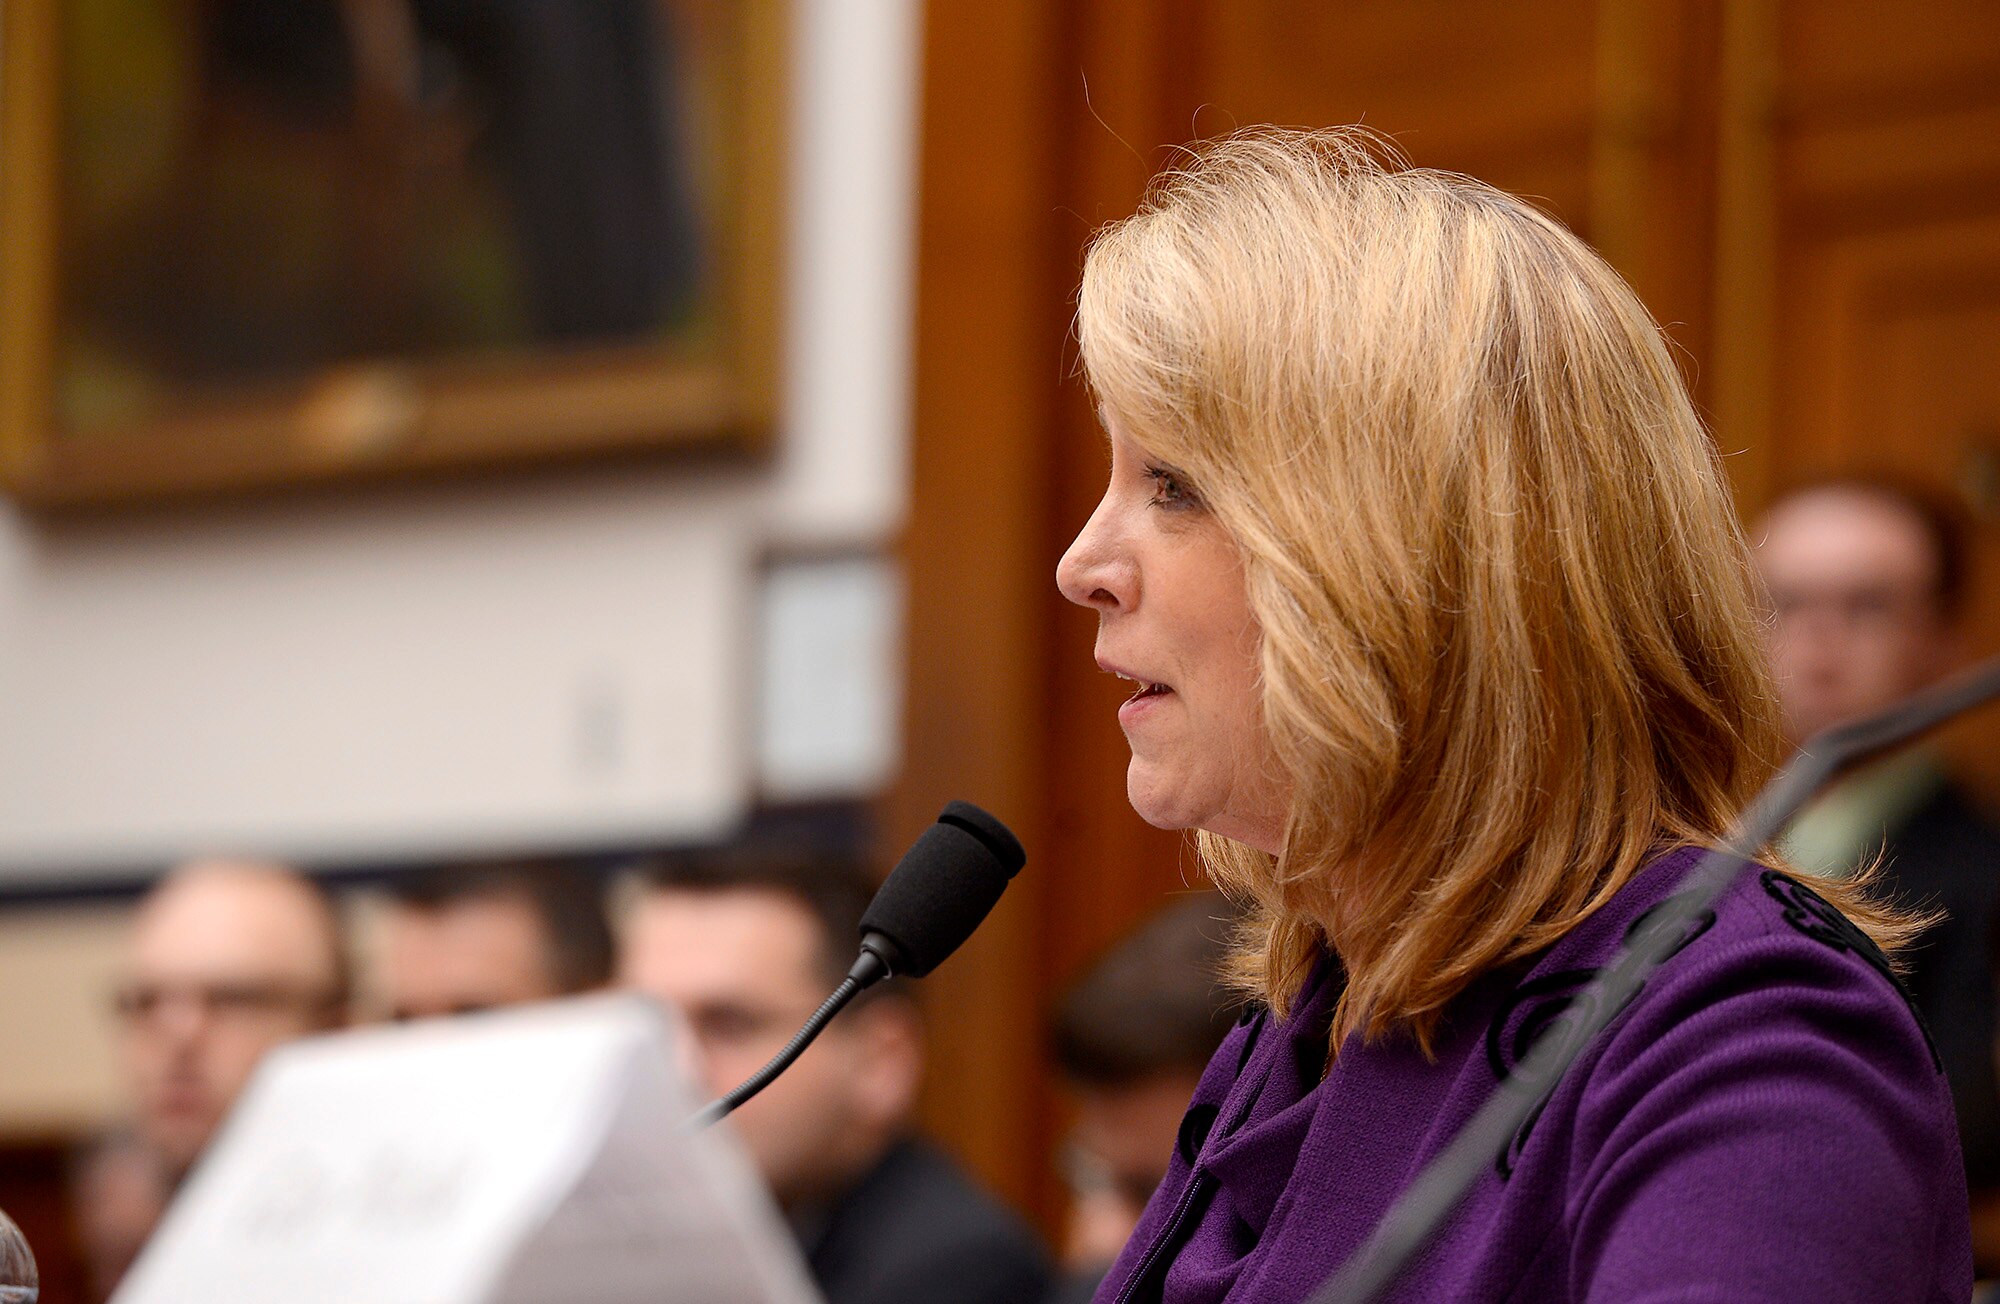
{"x": 939, "y": 892}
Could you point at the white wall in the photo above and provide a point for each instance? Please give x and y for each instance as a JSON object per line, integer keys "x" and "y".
{"x": 59, "y": 966}
{"x": 561, "y": 660}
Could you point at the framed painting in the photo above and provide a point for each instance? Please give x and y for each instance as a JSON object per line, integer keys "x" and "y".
{"x": 247, "y": 243}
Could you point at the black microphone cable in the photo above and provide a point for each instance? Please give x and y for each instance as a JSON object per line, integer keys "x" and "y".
{"x": 1423, "y": 1207}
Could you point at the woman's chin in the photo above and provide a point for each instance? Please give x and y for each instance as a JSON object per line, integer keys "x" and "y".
{"x": 1157, "y": 800}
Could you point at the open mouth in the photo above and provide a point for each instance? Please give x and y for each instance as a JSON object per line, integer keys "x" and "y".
{"x": 1145, "y": 689}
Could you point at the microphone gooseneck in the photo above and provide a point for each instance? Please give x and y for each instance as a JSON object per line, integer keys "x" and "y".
{"x": 939, "y": 892}
{"x": 867, "y": 971}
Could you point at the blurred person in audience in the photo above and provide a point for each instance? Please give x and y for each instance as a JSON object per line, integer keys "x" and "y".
{"x": 118, "y": 1190}
{"x": 228, "y": 959}
{"x": 1868, "y": 581}
{"x": 1132, "y": 1037}
{"x": 747, "y": 945}
{"x": 477, "y": 937}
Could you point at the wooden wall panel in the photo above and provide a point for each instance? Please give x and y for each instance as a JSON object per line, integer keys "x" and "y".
{"x": 1132, "y": 89}
{"x": 1602, "y": 113}
{"x": 1887, "y": 320}
{"x": 1867, "y": 56}
{"x": 989, "y": 329}
{"x": 1504, "y": 92}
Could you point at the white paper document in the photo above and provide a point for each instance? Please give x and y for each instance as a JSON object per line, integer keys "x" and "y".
{"x": 536, "y": 1156}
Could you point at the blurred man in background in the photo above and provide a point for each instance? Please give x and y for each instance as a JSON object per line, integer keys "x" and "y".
{"x": 747, "y": 946}
{"x": 1132, "y": 1038}
{"x": 1868, "y": 583}
{"x": 470, "y": 938}
{"x": 228, "y": 959}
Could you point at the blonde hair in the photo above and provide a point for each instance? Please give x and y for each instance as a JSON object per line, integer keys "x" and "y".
{"x": 1509, "y": 633}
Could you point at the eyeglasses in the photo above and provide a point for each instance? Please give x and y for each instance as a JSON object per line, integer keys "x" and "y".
{"x": 1867, "y": 609}
{"x": 227, "y": 1002}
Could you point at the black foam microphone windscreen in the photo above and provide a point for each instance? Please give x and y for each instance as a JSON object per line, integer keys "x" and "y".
{"x": 941, "y": 889}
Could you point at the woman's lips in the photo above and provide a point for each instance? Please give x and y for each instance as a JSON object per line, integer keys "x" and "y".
{"x": 1146, "y": 699}
{"x": 1146, "y": 693}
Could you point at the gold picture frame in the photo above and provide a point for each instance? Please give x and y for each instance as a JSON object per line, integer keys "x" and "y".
{"x": 129, "y": 372}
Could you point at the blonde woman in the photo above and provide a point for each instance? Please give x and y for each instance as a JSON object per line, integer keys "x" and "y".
{"x": 1442, "y": 634}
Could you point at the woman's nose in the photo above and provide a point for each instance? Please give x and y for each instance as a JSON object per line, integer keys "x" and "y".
{"x": 1093, "y": 573}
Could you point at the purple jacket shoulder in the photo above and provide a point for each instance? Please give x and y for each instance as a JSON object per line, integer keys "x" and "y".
{"x": 1766, "y": 1120}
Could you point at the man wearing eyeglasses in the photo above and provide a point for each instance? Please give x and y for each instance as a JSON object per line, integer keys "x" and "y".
{"x": 228, "y": 959}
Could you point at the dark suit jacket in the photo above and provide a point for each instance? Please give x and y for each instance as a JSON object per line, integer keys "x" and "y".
{"x": 1076, "y": 1288}
{"x": 915, "y": 1230}
{"x": 1946, "y": 856}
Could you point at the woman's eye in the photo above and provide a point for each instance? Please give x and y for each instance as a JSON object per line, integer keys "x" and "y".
{"x": 1169, "y": 489}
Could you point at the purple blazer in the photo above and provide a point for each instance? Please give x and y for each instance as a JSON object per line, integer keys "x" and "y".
{"x": 1767, "y": 1120}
